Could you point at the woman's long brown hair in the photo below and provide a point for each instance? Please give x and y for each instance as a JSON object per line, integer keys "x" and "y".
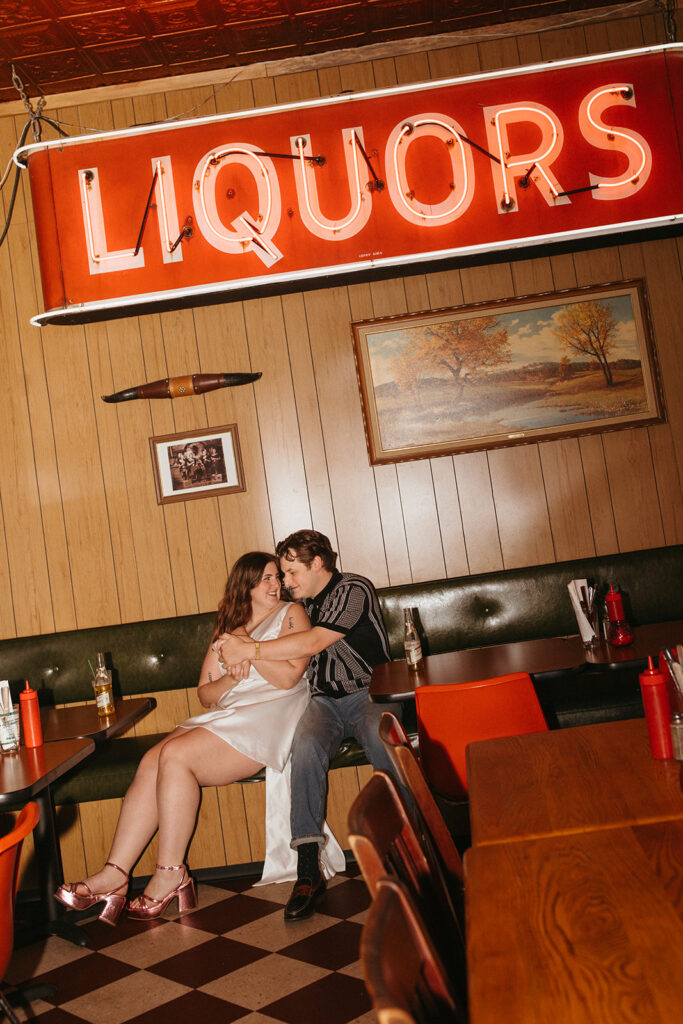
{"x": 235, "y": 606}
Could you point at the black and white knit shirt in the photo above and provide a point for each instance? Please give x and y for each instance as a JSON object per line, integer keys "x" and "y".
{"x": 348, "y": 605}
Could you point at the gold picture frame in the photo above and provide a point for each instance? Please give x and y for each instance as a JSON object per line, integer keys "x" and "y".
{"x": 515, "y": 371}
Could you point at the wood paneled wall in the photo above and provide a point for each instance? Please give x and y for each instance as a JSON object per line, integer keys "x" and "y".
{"x": 82, "y": 539}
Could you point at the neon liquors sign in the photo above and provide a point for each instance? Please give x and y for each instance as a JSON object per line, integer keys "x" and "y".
{"x": 137, "y": 218}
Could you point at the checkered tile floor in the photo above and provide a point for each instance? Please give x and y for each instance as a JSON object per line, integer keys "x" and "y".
{"x": 234, "y": 959}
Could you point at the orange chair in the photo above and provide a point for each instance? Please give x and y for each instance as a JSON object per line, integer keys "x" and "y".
{"x": 10, "y": 849}
{"x": 408, "y": 771}
{"x": 404, "y": 974}
{"x": 451, "y": 716}
{"x": 385, "y": 843}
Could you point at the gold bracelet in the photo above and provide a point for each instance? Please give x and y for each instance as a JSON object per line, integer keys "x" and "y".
{"x": 257, "y": 650}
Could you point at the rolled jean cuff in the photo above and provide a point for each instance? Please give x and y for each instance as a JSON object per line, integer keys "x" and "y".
{"x": 300, "y": 840}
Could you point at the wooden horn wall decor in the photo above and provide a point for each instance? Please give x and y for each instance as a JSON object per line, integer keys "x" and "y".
{"x": 179, "y": 387}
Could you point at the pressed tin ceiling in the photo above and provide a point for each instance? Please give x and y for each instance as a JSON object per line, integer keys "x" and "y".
{"x": 65, "y": 45}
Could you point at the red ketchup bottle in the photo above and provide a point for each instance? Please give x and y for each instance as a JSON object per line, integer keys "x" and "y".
{"x": 620, "y": 633}
{"x": 30, "y": 717}
{"x": 655, "y": 691}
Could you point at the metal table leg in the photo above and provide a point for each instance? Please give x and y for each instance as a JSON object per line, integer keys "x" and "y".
{"x": 50, "y": 876}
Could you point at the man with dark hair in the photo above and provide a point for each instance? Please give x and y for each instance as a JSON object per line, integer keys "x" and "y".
{"x": 347, "y": 640}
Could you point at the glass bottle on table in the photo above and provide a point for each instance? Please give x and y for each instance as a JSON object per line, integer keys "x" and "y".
{"x": 411, "y": 642}
{"x": 104, "y": 696}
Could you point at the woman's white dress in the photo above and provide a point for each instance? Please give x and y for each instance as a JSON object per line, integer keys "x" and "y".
{"x": 259, "y": 720}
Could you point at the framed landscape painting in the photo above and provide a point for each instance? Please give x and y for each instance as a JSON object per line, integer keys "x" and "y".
{"x": 509, "y": 372}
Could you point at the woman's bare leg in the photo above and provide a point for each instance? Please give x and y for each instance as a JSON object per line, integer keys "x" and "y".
{"x": 138, "y": 821}
{"x": 194, "y": 758}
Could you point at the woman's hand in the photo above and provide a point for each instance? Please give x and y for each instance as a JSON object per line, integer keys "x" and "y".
{"x": 233, "y": 651}
{"x": 241, "y": 671}
{"x": 213, "y": 681}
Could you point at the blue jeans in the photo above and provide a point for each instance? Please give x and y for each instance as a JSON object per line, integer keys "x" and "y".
{"x": 323, "y": 725}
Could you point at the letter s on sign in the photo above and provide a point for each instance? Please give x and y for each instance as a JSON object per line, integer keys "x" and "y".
{"x": 620, "y": 140}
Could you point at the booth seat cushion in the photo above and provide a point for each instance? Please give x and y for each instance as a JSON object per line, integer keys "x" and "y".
{"x": 586, "y": 696}
{"x": 110, "y": 771}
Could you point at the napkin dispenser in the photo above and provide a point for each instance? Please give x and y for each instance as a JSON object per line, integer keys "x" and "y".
{"x": 584, "y": 599}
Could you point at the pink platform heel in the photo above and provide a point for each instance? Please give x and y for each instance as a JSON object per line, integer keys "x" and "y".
{"x": 148, "y": 908}
{"x": 114, "y": 901}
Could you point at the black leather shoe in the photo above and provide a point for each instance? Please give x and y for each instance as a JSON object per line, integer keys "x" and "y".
{"x": 301, "y": 903}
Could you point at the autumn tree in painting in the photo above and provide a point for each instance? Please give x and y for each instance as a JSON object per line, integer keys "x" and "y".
{"x": 588, "y": 328}
{"x": 463, "y": 347}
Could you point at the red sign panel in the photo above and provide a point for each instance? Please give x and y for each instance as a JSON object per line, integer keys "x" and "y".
{"x": 483, "y": 163}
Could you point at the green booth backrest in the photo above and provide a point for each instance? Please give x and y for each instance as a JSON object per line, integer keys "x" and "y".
{"x": 468, "y": 611}
{"x": 522, "y": 604}
{"x": 159, "y": 654}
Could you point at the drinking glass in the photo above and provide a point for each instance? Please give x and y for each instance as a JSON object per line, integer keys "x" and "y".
{"x": 595, "y": 624}
{"x": 9, "y": 731}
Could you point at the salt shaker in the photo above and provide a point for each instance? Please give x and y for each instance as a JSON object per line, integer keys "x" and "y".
{"x": 677, "y": 735}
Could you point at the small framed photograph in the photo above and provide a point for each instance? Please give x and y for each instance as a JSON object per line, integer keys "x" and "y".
{"x": 197, "y": 463}
{"x": 509, "y": 372}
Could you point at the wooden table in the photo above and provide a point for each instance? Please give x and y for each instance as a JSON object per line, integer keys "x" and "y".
{"x": 28, "y": 775}
{"x": 577, "y": 928}
{"x": 394, "y": 681}
{"x": 70, "y": 734}
{"x": 569, "y": 780}
{"x": 82, "y": 719}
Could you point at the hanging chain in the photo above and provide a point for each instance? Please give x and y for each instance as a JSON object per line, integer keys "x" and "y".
{"x": 667, "y": 7}
{"x": 34, "y": 115}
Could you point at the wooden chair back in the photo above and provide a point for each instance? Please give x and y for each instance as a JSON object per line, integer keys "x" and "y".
{"x": 384, "y": 840}
{"x": 404, "y": 974}
{"x": 386, "y": 843}
{"x": 407, "y": 768}
{"x": 452, "y": 715}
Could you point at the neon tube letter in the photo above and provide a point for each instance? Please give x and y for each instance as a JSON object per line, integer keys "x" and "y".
{"x": 307, "y": 189}
{"x": 404, "y": 194}
{"x": 618, "y": 140}
{"x": 497, "y": 120}
{"x": 100, "y": 260}
{"x": 247, "y": 233}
